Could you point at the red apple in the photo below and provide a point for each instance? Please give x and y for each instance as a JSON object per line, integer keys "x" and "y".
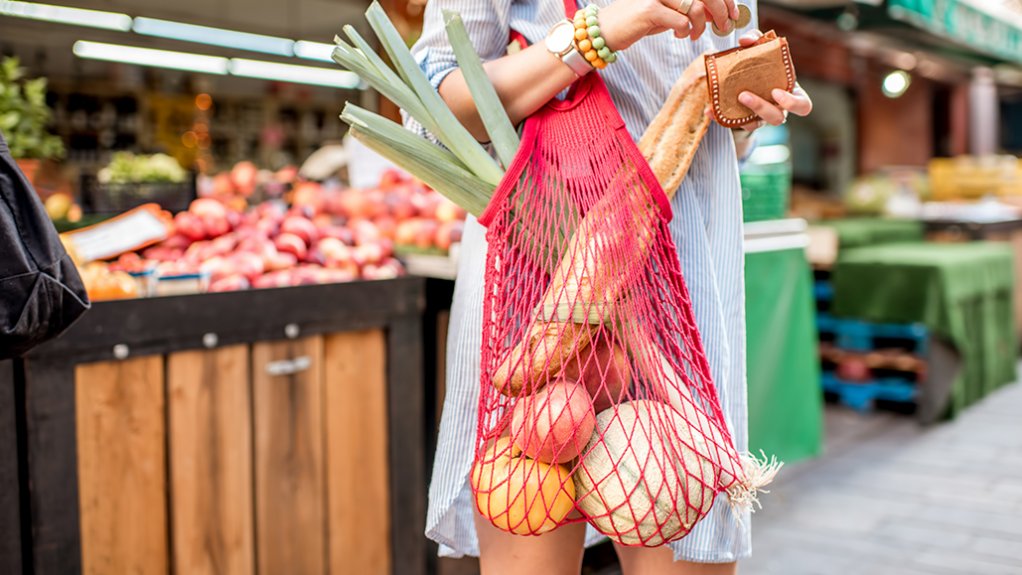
{"x": 248, "y": 264}
{"x": 216, "y": 226}
{"x": 280, "y": 261}
{"x": 426, "y": 234}
{"x": 230, "y": 283}
{"x": 190, "y": 226}
{"x": 406, "y": 232}
{"x": 207, "y": 207}
{"x": 448, "y": 211}
{"x": 386, "y": 225}
{"x": 391, "y": 178}
{"x": 243, "y": 176}
{"x": 301, "y": 227}
{"x": 292, "y": 244}
{"x": 340, "y": 232}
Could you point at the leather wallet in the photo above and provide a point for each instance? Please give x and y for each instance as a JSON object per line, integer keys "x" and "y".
{"x": 760, "y": 68}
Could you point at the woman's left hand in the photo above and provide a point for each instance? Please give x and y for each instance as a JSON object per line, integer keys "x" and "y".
{"x": 774, "y": 113}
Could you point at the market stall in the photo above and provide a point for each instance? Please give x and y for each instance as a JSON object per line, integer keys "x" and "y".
{"x": 961, "y": 293}
{"x": 785, "y": 403}
{"x": 270, "y": 430}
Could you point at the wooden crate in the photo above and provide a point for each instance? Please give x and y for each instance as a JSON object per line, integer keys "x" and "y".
{"x": 269, "y": 431}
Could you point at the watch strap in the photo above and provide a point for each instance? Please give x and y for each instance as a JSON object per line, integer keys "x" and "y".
{"x": 577, "y": 62}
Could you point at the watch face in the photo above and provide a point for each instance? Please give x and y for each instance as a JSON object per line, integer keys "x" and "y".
{"x": 560, "y": 38}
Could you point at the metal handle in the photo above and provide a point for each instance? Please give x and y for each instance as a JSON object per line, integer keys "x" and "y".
{"x": 289, "y": 366}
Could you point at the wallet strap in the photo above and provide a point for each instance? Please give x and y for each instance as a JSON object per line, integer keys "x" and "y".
{"x": 714, "y": 78}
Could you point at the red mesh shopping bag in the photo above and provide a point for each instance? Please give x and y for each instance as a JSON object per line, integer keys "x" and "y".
{"x": 596, "y": 398}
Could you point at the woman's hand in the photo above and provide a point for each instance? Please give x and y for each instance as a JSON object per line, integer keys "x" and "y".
{"x": 774, "y": 113}
{"x": 625, "y": 22}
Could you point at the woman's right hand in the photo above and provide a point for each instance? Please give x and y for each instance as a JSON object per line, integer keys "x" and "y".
{"x": 625, "y": 22}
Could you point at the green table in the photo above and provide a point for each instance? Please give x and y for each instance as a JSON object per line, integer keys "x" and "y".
{"x": 860, "y": 232}
{"x": 961, "y": 292}
{"x": 785, "y": 401}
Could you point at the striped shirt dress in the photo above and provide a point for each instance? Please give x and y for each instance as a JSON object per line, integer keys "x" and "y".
{"x": 706, "y": 227}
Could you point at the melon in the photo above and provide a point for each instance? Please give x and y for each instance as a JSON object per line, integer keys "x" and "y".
{"x": 518, "y": 494}
{"x": 603, "y": 369}
{"x": 645, "y": 478}
{"x": 555, "y": 424}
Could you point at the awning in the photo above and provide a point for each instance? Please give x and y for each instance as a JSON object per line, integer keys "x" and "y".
{"x": 991, "y": 27}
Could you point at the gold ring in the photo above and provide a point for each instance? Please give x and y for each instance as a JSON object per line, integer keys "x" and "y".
{"x": 686, "y": 6}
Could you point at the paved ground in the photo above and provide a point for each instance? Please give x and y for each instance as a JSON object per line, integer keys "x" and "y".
{"x": 890, "y": 497}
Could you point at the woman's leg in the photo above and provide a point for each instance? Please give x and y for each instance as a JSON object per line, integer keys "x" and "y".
{"x": 660, "y": 561}
{"x": 558, "y": 552}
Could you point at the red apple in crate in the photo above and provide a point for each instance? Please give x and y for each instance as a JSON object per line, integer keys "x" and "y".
{"x": 391, "y": 268}
{"x": 207, "y": 207}
{"x": 391, "y": 178}
{"x": 248, "y": 264}
{"x": 223, "y": 244}
{"x": 218, "y": 267}
{"x": 368, "y": 254}
{"x": 273, "y": 279}
{"x": 176, "y": 241}
{"x": 386, "y": 226}
{"x": 340, "y": 232}
{"x": 315, "y": 257}
{"x": 322, "y": 221}
{"x": 426, "y": 234}
{"x": 365, "y": 231}
{"x": 243, "y": 176}
{"x": 216, "y": 226}
{"x": 447, "y": 211}
{"x": 401, "y": 206}
{"x": 286, "y": 175}
{"x": 308, "y": 195}
{"x": 334, "y": 250}
{"x": 291, "y": 244}
{"x": 280, "y": 261}
{"x": 301, "y": 227}
{"x": 230, "y": 283}
{"x": 444, "y": 235}
{"x": 406, "y": 232}
{"x": 222, "y": 185}
{"x": 190, "y": 226}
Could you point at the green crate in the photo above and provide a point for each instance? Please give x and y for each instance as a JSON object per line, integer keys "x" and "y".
{"x": 765, "y": 192}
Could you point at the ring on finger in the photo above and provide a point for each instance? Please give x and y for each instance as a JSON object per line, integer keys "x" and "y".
{"x": 686, "y": 6}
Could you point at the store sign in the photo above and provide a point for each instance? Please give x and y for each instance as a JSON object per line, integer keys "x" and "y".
{"x": 971, "y": 22}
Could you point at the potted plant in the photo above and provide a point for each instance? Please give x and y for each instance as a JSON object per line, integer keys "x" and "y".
{"x": 23, "y": 118}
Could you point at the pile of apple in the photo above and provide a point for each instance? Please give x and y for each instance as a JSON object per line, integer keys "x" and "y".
{"x": 404, "y": 210}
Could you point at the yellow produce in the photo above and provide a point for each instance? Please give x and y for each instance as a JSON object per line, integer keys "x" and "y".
{"x": 521, "y": 495}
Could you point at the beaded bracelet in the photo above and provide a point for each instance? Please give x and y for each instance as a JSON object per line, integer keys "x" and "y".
{"x": 588, "y": 38}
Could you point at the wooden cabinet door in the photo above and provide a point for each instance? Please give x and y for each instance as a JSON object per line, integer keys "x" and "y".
{"x": 287, "y": 389}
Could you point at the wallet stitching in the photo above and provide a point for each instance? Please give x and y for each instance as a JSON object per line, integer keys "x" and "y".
{"x": 711, "y": 65}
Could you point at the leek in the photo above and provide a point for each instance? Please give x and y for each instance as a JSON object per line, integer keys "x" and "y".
{"x": 451, "y": 132}
{"x": 491, "y": 109}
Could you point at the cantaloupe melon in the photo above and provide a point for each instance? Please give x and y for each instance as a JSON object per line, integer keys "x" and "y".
{"x": 644, "y": 478}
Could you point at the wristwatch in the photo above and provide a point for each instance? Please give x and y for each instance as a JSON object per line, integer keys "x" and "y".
{"x": 560, "y": 41}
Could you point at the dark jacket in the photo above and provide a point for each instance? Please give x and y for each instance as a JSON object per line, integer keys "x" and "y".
{"x": 41, "y": 293}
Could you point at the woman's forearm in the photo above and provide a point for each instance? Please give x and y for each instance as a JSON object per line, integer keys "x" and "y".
{"x": 524, "y": 82}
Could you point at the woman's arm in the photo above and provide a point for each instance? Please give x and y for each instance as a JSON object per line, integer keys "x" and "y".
{"x": 530, "y": 78}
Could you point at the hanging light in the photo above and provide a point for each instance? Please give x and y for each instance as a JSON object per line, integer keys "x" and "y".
{"x": 896, "y": 84}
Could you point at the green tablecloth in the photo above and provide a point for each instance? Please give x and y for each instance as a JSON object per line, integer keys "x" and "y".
{"x": 860, "y": 232}
{"x": 961, "y": 292}
{"x": 785, "y": 401}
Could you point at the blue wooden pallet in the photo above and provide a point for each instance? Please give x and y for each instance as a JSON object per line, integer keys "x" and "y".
{"x": 860, "y": 396}
{"x": 823, "y": 290}
{"x": 858, "y": 335}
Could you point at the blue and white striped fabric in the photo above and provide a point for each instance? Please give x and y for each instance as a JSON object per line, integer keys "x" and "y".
{"x": 707, "y": 228}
